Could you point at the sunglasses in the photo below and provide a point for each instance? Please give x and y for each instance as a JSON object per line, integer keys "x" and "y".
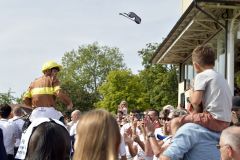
{"x": 219, "y": 146}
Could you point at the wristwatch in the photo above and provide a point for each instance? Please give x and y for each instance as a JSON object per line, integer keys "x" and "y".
{"x": 150, "y": 134}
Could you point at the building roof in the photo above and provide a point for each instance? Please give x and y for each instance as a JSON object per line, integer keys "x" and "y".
{"x": 199, "y": 23}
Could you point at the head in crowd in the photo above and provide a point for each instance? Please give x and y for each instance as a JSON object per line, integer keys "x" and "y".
{"x": 229, "y": 144}
{"x": 123, "y": 106}
{"x": 203, "y": 56}
{"x": 119, "y": 117}
{"x": 98, "y": 136}
{"x": 17, "y": 111}
{"x": 169, "y": 107}
{"x": 236, "y": 103}
{"x": 51, "y": 68}
{"x": 120, "y": 114}
{"x": 153, "y": 114}
{"x": 177, "y": 113}
{"x": 236, "y": 110}
{"x": 75, "y": 115}
{"x": 124, "y": 103}
{"x": 49, "y": 141}
{"x": 5, "y": 111}
{"x": 164, "y": 114}
{"x": 172, "y": 114}
{"x": 134, "y": 114}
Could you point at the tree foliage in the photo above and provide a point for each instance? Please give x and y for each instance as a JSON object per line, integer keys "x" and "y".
{"x": 160, "y": 85}
{"x": 121, "y": 85}
{"x": 85, "y": 69}
{"x": 153, "y": 87}
{"x": 160, "y": 80}
{"x": 7, "y": 97}
{"x": 147, "y": 53}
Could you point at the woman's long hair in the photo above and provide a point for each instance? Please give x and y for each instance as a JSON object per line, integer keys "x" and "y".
{"x": 98, "y": 137}
{"x": 49, "y": 141}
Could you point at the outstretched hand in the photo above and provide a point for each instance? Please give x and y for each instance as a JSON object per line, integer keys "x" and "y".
{"x": 148, "y": 125}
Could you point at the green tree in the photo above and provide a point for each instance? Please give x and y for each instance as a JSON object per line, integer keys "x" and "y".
{"x": 7, "y": 97}
{"x": 121, "y": 85}
{"x": 85, "y": 69}
{"x": 153, "y": 87}
{"x": 160, "y": 81}
{"x": 147, "y": 53}
{"x": 160, "y": 85}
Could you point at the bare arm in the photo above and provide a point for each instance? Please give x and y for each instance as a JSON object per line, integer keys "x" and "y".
{"x": 132, "y": 149}
{"x": 138, "y": 141}
{"x": 65, "y": 99}
{"x": 129, "y": 142}
{"x": 148, "y": 149}
{"x": 196, "y": 100}
{"x": 164, "y": 158}
{"x": 156, "y": 147}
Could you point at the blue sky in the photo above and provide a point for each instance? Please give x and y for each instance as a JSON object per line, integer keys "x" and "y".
{"x": 32, "y": 32}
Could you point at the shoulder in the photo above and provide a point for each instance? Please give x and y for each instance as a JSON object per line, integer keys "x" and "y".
{"x": 199, "y": 132}
{"x": 189, "y": 126}
{"x": 40, "y": 78}
{"x": 205, "y": 73}
{"x": 193, "y": 126}
{"x": 190, "y": 129}
{"x": 8, "y": 126}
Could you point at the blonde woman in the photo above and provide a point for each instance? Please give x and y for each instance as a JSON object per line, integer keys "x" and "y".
{"x": 98, "y": 137}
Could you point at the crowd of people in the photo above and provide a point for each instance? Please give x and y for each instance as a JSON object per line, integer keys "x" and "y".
{"x": 206, "y": 129}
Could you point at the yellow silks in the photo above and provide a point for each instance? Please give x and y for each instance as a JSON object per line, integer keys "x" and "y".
{"x": 44, "y": 90}
{"x": 27, "y": 94}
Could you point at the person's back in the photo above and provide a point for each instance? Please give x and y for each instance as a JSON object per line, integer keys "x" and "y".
{"x": 210, "y": 93}
{"x": 42, "y": 93}
{"x": 192, "y": 142}
{"x": 8, "y": 129}
{"x": 18, "y": 122}
{"x": 211, "y": 90}
{"x": 217, "y": 97}
{"x": 9, "y": 135}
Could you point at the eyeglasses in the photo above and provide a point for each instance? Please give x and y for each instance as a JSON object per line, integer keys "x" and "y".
{"x": 219, "y": 146}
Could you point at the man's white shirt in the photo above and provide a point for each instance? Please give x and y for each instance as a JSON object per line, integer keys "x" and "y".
{"x": 18, "y": 124}
{"x": 9, "y": 134}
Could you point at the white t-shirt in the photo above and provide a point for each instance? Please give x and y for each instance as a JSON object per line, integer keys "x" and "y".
{"x": 18, "y": 122}
{"x": 217, "y": 96}
{"x": 8, "y": 135}
{"x": 73, "y": 129}
{"x": 126, "y": 127}
{"x": 122, "y": 150}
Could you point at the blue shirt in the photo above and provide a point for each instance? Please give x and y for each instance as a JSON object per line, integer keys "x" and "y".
{"x": 192, "y": 142}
